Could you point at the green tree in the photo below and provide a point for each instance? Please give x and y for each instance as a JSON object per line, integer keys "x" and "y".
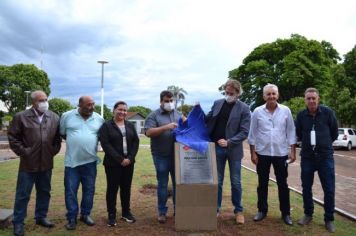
{"x": 292, "y": 64}
{"x": 16, "y": 79}
{"x": 185, "y": 109}
{"x": 144, "y": 111}
{"x": 107, "y": 111}
{"x": 295, "y": 105}
{"x": 350, "y": 70}
{"x": 345, "y": 108}
{"x": 59, "y": 105}
{"x": 178, "y": 94}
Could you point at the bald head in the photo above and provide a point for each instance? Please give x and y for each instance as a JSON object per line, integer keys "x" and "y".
{"x": 85, "y": 99}
{"x": 86, "y": 106}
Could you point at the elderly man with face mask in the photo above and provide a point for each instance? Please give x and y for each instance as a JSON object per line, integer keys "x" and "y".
{"x": 228, "y": 124}
{"x": 34, "y": 137}
{"x": 79, "y": 127}
{"x": 159, "y": 126}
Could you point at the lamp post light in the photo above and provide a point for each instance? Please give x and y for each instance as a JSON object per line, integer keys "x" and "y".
{"x": 27, "y": 93}
{"x": 102, "y": 86}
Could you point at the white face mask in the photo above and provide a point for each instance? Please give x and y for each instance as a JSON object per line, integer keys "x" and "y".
{"x": 230, "y": 99}
{"x": 168, "y": 106}
{"x": 42, "y": 106}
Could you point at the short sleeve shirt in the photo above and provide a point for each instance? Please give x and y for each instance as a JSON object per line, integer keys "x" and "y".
{"x": 162, "y": 145}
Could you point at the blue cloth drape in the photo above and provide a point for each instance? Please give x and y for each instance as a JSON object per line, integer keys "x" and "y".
{"x": 193, "y": 132}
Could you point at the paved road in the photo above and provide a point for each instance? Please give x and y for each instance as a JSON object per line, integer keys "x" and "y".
{"x": 345, "y": 182}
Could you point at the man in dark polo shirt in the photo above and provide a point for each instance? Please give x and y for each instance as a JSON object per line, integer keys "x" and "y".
{"x": 159, "y": 127}
{"x": 316, "y": 127}
{"x": 228, "y": 124}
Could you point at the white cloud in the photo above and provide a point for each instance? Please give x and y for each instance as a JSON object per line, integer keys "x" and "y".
{"x": 155, "y": 43}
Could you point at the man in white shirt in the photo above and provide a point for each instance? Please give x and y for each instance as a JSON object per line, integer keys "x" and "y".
{"x": 272, "y": 132}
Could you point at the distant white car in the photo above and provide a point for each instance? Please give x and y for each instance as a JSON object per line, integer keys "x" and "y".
{"x": 346, "y": 138}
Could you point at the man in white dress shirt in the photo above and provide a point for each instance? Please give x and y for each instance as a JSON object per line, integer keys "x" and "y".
{"x": 272, "y": 132}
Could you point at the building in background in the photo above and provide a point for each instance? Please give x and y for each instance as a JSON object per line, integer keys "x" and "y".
{"x": 137, "y": 120}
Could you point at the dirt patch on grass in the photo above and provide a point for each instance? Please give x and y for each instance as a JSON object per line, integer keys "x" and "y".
{"x": 148, "y": 189}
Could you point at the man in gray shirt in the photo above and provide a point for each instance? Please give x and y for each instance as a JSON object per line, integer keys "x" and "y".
{"x": 159, "y": 127}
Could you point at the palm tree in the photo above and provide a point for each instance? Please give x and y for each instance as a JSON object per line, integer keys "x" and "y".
{"x": 178, "y": 94}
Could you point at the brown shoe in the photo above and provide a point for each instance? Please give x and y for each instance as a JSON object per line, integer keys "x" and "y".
{"x": 240, "y": 219}
{"x": 162, "y": 219}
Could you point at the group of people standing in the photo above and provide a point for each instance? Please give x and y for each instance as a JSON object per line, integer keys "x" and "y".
{"x": 272, "y": 135}
{"x": 35, "y": 136}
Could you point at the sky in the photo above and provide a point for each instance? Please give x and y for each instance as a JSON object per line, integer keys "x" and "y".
{"x": 152, "y": 44}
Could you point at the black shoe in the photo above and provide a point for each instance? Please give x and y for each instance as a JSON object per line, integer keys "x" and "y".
{"x": 259, "y": 216}
{"x": 287, "y": 220}
{"x": 129, "y": 218}
{"x": 19, "y": 230}
{"x": 72, "y": 224}
{"x": 329, "y": 225}
{"x": 111, "y": 220}
{"x": 87, "y": 220}
{"x": 305, "y": 220}
{"x": 45, "y": 223}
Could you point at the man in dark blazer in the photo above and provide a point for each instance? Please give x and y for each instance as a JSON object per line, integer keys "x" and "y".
{"x": 228, "y": 125}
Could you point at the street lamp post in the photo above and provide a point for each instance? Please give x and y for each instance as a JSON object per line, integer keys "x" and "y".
{"x": 27, "y": 93}
{"x": 102, "y": 86}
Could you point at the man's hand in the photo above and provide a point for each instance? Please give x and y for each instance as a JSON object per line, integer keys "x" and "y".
{"x": 171, "y": 126}
{"x": 254, "y": 158}
{"x": 222, "y": 142}
{"x": 126, "y": 162}
{"x": 292, "y": 158}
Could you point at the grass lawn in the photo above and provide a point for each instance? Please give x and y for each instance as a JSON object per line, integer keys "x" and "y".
{"x": 143, "y": 205}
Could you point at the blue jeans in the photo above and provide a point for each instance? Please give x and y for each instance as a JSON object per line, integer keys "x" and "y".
{"x": 235, "y": 177}
{"x": 25, "y": 181}
{"x": 164, "y": 166}
{"x": 85, "y": 174}
{"x": 326, "y": 170}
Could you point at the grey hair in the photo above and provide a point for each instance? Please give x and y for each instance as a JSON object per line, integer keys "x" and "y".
{"x": 267, "y": 86}
{"x": 35, "y": 93}
{"x": 311, "y": 90}
{"x": 234, "y": 84}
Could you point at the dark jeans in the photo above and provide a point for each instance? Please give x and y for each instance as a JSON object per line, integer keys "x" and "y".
{"x": 280, "y": 167}
{"x": 164, "y": 166}
{"x": 25, "y": 181}
{"x": 118, "y": 177}
{"x": 85, "y": 174}
{"x": 326, "y": 170}
{"x": 235, "y": 178}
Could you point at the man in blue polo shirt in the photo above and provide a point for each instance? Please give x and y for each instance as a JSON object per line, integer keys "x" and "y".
{"x": 79, "y": 127}
{"x": 316, "y": 127}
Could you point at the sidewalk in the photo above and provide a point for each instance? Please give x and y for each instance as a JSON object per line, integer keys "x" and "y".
{"x": 345, "y": 190}
{"x": 6, "y": 153}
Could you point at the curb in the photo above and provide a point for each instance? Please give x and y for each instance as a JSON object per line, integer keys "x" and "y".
{"x": 318, "y": 201}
